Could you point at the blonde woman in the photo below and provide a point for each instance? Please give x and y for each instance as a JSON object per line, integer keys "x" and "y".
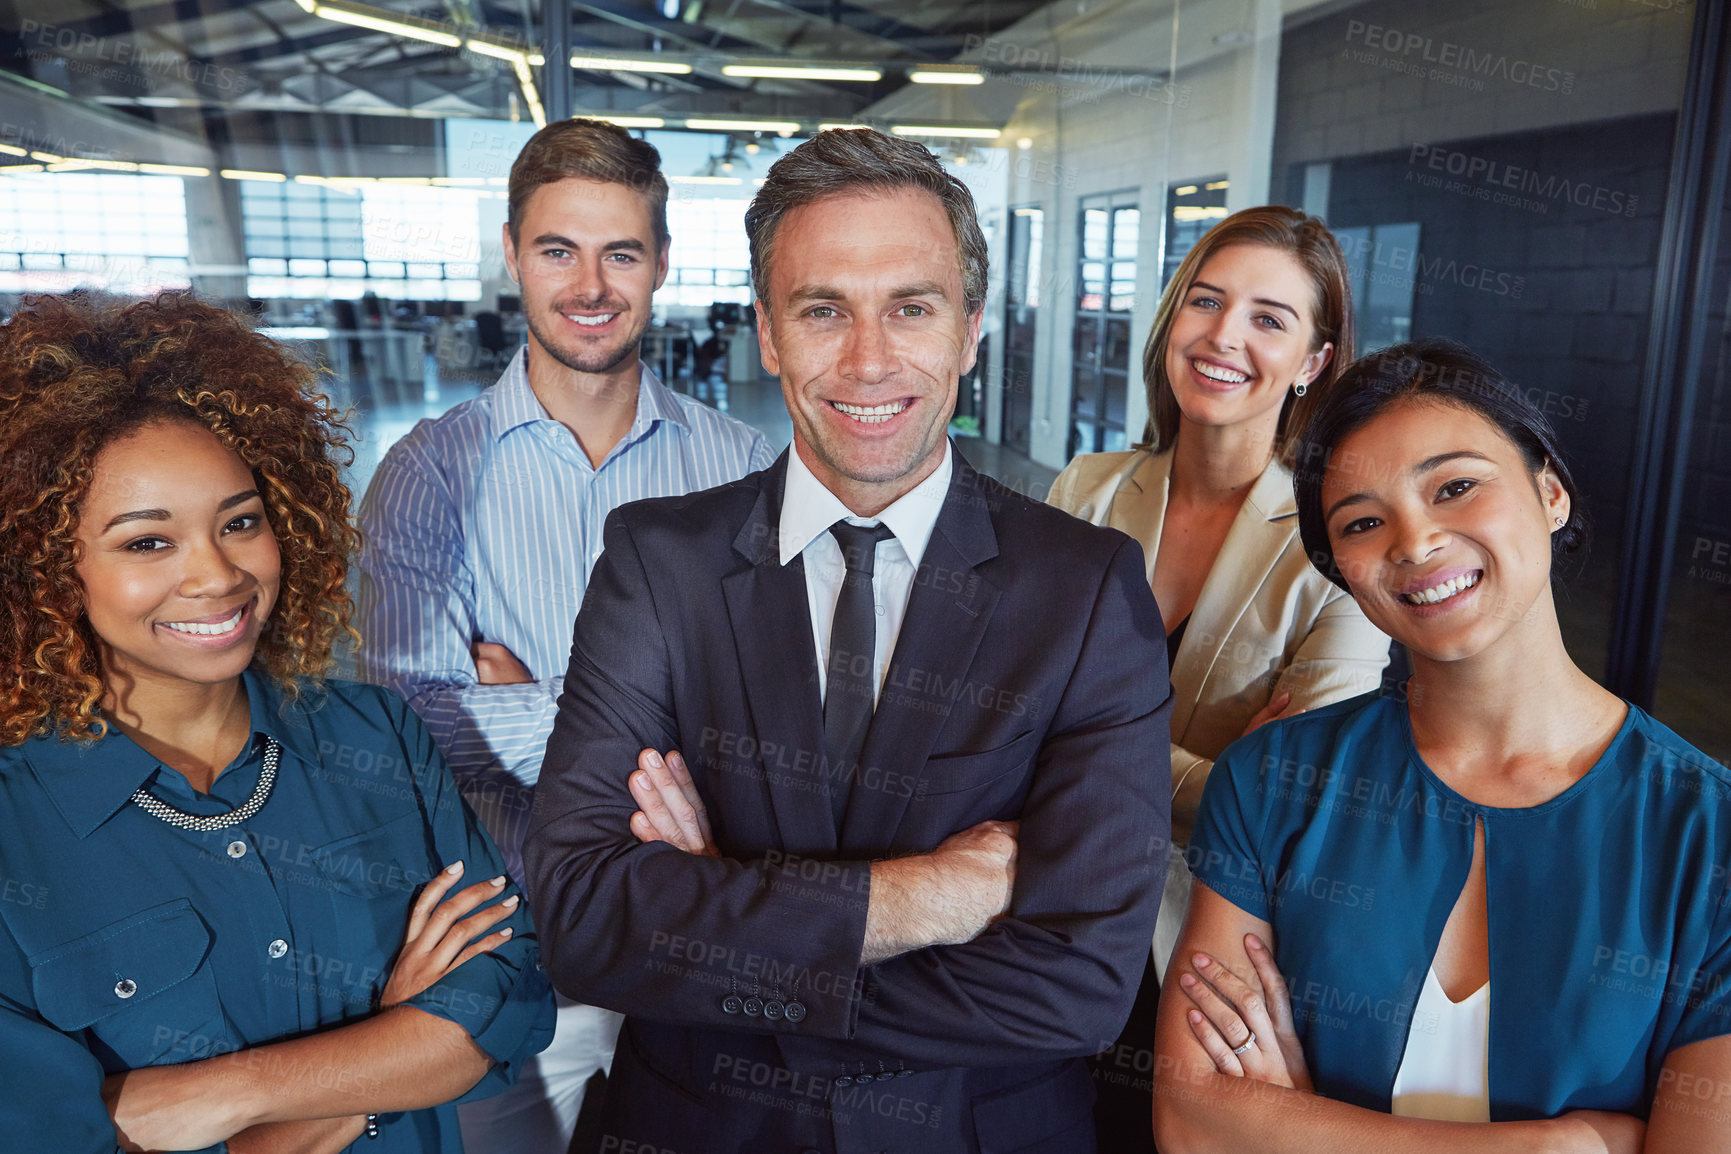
{"x": 1250, "y": 335}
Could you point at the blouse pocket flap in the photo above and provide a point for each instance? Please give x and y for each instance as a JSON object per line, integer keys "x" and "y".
{"x": 124, "y": 964}
{"x": 369, "y": 864}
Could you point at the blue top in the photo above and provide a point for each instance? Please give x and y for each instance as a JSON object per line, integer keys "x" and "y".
{"x": 128, "y": 942}
{"x": 1610, "y": 921}
{"x": 484, "y": 524}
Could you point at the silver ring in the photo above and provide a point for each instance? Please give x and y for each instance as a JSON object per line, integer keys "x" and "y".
{"x": 1248, "y": 1042}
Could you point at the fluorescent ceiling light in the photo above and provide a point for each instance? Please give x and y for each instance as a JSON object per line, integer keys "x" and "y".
{"x": 1187, "y": 190}
{"x": 74, "y": 163}
{"x": 1217, "y": 185}
{"x": 941, "y": 130}
{"x": 782, "y": 126}
{"x": 801, "y": 72}
{"x": 1192, "y": 213}
{"x": 526, "y": 81}
{"x": 47, "y": 157}
{"x": 19, "y": 169}
{"x": 248, "y": 174}
{"x": 498, "y": 51}
{"x": 927, "y": 76}
{"x": 381, "y": 22}
{"x": 623, "y": 64}
{"x": 308, "y": 5}
{"x": 10, "y": 150}
{"x": 628, "y": 121}
{"x": 174, "y": 169}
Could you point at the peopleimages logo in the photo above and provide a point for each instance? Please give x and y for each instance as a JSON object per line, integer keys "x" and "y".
{"x": 1448, "y": 62}
{"x": 1486, "y": 179}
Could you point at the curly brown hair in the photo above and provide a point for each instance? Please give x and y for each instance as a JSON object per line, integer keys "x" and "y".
{"x": 78, "y": 373}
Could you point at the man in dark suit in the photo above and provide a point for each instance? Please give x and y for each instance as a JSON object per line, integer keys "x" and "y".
{"x": 906, "y": 873}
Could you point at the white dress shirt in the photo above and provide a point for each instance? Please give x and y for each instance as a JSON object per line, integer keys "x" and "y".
{"x": 808, "y": 510}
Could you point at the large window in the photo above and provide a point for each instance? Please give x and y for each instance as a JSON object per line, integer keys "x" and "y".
{"x": 317, "y": 242}
{"x": 1100, "y": 342}
{"x": 1021, "y": 311}
{"x": 1192, "y": 208}
{"x": 709, "y": 260}
{"x": 115, "y": 231}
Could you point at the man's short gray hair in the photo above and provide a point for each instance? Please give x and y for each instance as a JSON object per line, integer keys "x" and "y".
{"x": 856, "y": 160}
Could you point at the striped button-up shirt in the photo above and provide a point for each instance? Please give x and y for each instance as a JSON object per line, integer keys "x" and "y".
{"x": 483, "y": 525}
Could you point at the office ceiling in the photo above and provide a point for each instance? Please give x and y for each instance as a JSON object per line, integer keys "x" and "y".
{"x": 246, "y": 67}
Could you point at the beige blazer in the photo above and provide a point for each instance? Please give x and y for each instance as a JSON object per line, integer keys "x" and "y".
{"x": 1266, "y": 622}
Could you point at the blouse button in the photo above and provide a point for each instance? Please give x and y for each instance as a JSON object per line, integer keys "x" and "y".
{"x": 277, "y": 948}
{"x": 125, "y": 988}
{"x": 237, "y": 849}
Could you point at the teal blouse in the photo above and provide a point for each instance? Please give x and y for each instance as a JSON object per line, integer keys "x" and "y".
{"x": 1610, "y": 919}
{"x": 127, "y": 942}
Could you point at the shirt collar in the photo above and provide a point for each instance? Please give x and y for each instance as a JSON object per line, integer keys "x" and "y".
{"x": 808, "y": 509}
{"x": 515, "y": 403}
{"x": 89, "y": 781}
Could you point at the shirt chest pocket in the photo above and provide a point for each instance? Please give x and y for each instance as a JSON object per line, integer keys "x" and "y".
{"x": 372, "y": 879}
{"x": 141, "y": 990}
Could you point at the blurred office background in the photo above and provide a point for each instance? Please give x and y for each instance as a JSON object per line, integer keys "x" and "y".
{"x": 1543, "y": 179}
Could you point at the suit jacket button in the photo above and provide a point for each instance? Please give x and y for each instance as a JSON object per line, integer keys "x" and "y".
{"x": 885, "y": 1076}
{"x": 794, "y": 1011}
{"x": 773, "y": 1010}
{"x": 731, "y": 1004}
{"x": 842, "y": 1082}
{"x": 904, "y": 1073}
{"x": 753, "y": 1007}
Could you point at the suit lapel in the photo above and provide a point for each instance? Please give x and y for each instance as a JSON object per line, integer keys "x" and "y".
{"x": 771, "y": 622}
{"x": 949, "y": 610}
{"x": 1265, "y": 523}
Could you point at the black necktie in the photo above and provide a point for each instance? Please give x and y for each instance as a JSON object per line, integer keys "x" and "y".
{"x": 850, "y": 689}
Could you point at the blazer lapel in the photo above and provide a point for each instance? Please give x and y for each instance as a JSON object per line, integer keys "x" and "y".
{"x": 949, "y": 609}
{"x": 1265, "y": 523}
{"x": 1140, "y": 501}
{"x": 771, "y": 622}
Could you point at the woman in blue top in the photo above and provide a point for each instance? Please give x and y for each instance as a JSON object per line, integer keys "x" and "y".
{"x": 210, "y": 935}
{"x": 1494, "y": 906}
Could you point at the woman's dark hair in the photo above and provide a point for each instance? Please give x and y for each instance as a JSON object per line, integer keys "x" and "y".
{"x": 1437, "y": 370}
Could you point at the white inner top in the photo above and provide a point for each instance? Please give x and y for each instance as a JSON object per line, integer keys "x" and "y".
{"x": 1443, "y": 1074}
{"x": 808, "y": 510}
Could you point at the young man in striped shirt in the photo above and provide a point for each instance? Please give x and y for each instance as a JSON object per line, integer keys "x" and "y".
{"x": 481, "y": 526}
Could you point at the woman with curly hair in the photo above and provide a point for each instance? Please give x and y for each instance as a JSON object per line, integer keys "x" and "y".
{"x": 210, "y": 935}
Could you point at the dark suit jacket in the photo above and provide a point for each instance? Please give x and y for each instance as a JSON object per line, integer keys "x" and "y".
{"x": 1028, "y": 683}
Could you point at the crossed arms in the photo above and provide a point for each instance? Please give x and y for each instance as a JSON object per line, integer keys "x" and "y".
{"x": 879, "y": 964}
